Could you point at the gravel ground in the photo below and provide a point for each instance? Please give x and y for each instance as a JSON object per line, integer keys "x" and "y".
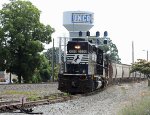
{"x": 107, "y": 102}
{"x": 17, "y": 91}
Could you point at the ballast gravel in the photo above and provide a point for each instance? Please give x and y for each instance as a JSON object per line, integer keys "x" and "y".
{"x": 9, "y": 92}
{"x": 107, "y": 102}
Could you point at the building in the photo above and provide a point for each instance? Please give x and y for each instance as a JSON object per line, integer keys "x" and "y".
{"x": 5, "y": 77}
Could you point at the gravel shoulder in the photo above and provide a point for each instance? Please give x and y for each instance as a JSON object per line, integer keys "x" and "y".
{"x": 11, "y": 92}
{"x": 107, "y": 102}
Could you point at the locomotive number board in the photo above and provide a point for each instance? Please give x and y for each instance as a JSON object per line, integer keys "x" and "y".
{"x": 78, "y": 51}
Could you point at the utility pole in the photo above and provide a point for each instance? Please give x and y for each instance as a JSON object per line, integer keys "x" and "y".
{"x": 147, "y": 55}
{"x": 60, "y": 64}
{"x": 53, "y": 61}
{"x": 148, "y": 76}
{"x": 132, "y": 52}
{"x": 133, "y": 74}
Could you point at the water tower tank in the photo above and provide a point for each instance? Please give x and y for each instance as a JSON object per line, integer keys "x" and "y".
{"x": 75, "y": 21}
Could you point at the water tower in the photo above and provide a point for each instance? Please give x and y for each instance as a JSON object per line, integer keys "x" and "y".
{"x": 78, "y": 21}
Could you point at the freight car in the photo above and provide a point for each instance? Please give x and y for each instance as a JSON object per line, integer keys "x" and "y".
{"x": 121, "y": 73}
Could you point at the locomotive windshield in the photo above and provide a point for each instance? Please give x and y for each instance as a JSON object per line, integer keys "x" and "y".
{"x": 77, "y": 47}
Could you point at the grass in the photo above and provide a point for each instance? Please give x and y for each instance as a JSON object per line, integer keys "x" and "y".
{"x": 33, "y": 96}
{"x": 141, "y": 107}
{"x": 13, "y": 92}
{"x": 28, "y": 95}
{"x": 50, "y": 97}
{"x": 57, "y": 95}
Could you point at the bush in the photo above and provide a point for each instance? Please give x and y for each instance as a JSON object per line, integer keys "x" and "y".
{"x": 36, "y": 78}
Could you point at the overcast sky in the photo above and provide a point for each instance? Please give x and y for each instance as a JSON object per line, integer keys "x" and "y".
{"x": 125, "y": 21}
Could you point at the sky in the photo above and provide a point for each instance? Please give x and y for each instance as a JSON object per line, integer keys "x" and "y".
{"x": 125, "y": 21}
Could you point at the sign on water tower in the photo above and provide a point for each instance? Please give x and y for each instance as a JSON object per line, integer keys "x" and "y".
{"x": 78, "y": 20}
{"x": 82, "y": 18}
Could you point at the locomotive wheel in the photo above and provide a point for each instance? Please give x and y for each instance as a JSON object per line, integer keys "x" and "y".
{"x": 95, "y": 85}
{"x": 103, "y": 83}
{"x": 91, "y": 89}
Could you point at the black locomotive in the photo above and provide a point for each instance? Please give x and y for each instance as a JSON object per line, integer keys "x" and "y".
{"x": 84, "y": 67}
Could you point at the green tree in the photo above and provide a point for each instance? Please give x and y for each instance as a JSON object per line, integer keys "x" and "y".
{"x": 21, "y": 38}
{"x": 45, "y": 69}
{"x": 141, "y": 66}
{"x": 42, "y": 73}
{"x": 111, "y": 51}
{"x": 48, "y": 55}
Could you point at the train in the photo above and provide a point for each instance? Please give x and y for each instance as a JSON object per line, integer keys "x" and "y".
{"x": 85, "y": 66}
{"x": 87, "y": 69}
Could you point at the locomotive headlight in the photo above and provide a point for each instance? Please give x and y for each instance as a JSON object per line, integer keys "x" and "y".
{"x": 77, "y": 47}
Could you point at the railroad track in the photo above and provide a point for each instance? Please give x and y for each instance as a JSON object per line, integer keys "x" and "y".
{"x": 8, "y": 102}
{"x": 27, "y": 106}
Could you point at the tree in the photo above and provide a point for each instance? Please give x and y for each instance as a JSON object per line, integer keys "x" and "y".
{"x": 21, "y": 38}
{"x": 111, "y": 51}
{"x": 42, "y": 74}
{"x": 141, "y": 66}
{"x": 48, "y": 55}
{"x": 45, "y": 69}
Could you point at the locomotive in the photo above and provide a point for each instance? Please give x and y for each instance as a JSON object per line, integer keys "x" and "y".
{"x": 83, "y": 68}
